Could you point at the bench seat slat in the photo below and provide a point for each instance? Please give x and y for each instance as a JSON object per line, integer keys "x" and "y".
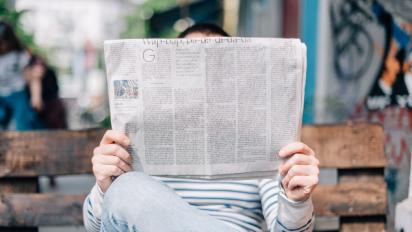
{"x": 41, "y": 209}
{"x": 345, "y": 199}
{"x": 350, "y": 199}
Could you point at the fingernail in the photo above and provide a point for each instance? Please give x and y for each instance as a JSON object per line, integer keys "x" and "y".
{"x": 281, "y": 153}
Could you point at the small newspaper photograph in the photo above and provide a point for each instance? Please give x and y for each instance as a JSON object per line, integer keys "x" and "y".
{"x": 209, "y": 108}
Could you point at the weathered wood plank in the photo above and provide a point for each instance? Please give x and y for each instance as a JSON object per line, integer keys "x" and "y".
{"x": 363, "y": 178}
{"x": 363, "y": 227}
{"x": 345, "y": 199}
{"x": 47, "y": 152}
{"x": 41, "y": 209}
{"x": 350, "y": 199}
{"x": 69, "y": 152}
{"x": 359, "y": 145}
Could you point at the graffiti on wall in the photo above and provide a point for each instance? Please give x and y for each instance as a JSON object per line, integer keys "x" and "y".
{"x": 393, "y": 84}
{"x": 372, "y": 48}
{"x": 353, "y": 44}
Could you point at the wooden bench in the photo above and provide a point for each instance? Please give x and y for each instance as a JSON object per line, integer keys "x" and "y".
{"x": 357, "y": 201}
{"x": 356, "y": 195}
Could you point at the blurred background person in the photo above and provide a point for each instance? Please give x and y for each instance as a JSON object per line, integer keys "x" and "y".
{"x": 50, "y": 108}
{"x": 15, "y": 105}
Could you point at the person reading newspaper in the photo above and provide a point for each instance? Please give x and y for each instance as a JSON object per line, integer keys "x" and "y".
{"x": 126, "y": 200}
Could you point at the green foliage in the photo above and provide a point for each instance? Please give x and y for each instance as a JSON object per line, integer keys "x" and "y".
{"x": 168, "y": 33}
{"x": 161, "y": 5}
{"x": 9, "y": 15}
{"x": 137, "y": 25}
{"x": 106, "y": 123}
{"x": 13, "y": 17}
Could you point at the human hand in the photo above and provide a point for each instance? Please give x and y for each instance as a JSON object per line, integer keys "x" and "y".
{"x": 36, "y": 103}
{"x": 299, "y": 170}
{"x": 110, "y": 158}
{"x": 37, "y": 71}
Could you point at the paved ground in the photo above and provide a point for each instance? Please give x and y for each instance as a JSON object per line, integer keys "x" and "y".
{"x": 67, "y": 184}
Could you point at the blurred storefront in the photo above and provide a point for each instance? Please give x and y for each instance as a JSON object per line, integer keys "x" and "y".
{"x": 71, "y": 33}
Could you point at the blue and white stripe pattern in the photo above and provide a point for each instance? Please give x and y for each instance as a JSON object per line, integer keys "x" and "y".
{"x": 245, "y": 205}
{"x": 93, "y": 222}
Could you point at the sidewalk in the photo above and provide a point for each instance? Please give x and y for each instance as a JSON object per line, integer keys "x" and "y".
{"x": 66, "y": 185}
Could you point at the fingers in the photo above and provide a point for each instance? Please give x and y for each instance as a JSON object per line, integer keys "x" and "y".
{"x": 112, "y": 136}
{"x": 113, "y": 150}
{"x": 111, "y": 160}
{"x": 296, "y": 147}
{"x": 297, "y": 159}
{"x": 308, "y": 183}
{"x": 299, "y": 170}
{"x": 104, "y": 172}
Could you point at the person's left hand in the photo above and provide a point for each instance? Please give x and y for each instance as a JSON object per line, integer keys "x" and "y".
{"x": 299, "y": 171}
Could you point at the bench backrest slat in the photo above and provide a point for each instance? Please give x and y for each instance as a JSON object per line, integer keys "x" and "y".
{"x": 70, "y": 152}
{"x": 47, "y": 152}
{"x": 359, "y": 145}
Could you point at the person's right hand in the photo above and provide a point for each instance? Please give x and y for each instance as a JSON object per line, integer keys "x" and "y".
{"x": 110, "y": 159}
{"x": 37, "y": 103}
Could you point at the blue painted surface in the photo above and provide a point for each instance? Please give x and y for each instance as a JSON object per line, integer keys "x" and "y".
{"x": 308, "y": 34}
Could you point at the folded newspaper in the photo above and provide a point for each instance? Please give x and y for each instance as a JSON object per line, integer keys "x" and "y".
{"x": 215, "y": 107}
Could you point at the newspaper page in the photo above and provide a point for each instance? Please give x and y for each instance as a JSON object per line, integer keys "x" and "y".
{"x": 215, "y": 107}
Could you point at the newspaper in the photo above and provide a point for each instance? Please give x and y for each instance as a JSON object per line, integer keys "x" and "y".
{"x": 215, "y": 107}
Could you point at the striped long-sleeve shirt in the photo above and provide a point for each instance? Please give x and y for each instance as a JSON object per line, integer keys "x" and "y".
{"x": 246, "y": 205}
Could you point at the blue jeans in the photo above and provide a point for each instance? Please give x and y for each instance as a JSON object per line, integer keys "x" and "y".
{"x": 16, "y": 107}
{"x": 137, "y": 202}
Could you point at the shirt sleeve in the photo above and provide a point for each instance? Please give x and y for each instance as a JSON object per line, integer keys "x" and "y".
{"x": 281, "y": 213}
{"x": 92, "y": 209}
{"x": 24, "y": 59}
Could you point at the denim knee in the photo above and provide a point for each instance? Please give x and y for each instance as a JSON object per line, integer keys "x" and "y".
{"x": 132, "y": 194}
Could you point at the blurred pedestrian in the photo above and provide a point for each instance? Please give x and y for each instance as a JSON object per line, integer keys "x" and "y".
{"x": 15, "y": 105}
{"x": 51, "y": 111}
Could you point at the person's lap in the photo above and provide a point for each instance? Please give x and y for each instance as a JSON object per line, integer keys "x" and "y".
{"x": 19, "y": 109}
{"x": 137, "y": 202}
{"x": 5, "y": 114}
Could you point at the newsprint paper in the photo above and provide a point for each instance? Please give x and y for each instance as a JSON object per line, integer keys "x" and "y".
{"x": 215, "y": 107}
